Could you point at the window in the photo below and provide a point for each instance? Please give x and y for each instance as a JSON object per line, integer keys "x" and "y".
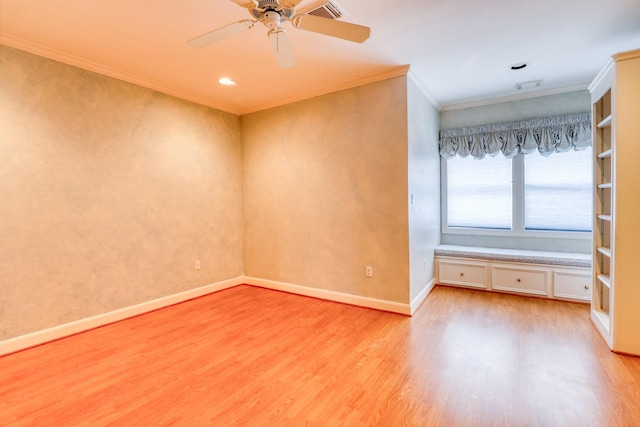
{"x": 479, "y": 192}
{"x": 529, "y": 193}
{"x": 558, "y": 192}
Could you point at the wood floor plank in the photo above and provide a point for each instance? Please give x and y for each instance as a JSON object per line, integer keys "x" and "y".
{"x": 254, "y": 357}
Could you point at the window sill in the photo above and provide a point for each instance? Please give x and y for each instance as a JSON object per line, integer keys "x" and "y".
{"x": 579, "y": 235}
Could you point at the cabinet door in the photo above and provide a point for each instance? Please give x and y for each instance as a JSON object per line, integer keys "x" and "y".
{"x": 463, "y": 273}
{"x": 528, "y": 280}
{"x": 572, "y": 284}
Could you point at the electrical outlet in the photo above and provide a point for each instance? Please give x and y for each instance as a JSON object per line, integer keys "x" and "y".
{"x": 368, "y": 271}
{"x": 197, "y": 264}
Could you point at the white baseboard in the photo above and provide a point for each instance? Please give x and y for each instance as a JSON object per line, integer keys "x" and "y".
{"x": 419, "y": 299}
{"x": 357, "y": 300}
{"x": 40, "y": 337}
{"x": 36, "y": 338}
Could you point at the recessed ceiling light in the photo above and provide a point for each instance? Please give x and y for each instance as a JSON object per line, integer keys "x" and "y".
{"x": 225, "y": 81}
{"x": 519, "y": 66}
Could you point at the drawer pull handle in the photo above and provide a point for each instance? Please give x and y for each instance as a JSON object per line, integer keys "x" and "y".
{"x": 519, "y": 280}
{"x": 461, "y": 274}
{"x": 586, "y": 286}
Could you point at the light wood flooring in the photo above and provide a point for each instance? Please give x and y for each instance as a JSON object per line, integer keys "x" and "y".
{"x": 253, "y": 357}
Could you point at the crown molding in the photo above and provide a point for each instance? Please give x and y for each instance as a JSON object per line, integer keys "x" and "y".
{"x": 95, "y": 67}
{"x": 601, "y": 74}
{"x": 424, "y": 90}
{"x": 397, "y": 71}
{"x": 629, "y": 54}
{"x": 515, "y": 97}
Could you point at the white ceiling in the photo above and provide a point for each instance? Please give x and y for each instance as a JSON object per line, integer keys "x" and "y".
{"x": 460, "y": 51}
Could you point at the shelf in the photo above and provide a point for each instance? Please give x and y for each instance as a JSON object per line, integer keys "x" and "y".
{"x": 605, "y": 279}
{"x": 605, "y": 123}
{"x": 605, "y": 154}
{"x": 605, "y": 251}
{"x": 605, "y": 217}
{"x": 604, "y": 185}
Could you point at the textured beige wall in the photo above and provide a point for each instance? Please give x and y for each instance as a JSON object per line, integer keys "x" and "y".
{"x": 108, "y": 194}
{"x": 424, "y": 186}
{"x": 325, "y": 192}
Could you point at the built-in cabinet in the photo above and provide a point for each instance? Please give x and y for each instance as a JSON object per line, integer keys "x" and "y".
{"x": 615, "y": 308}
{"x": 550, "y": 281}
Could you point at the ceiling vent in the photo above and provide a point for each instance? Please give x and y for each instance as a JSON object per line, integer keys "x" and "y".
{"x": 330, "y": 10}
{"x": 529, "y": 85}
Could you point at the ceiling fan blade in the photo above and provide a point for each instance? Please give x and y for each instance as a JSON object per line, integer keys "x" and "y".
{"x": 281, "y": 48}
{"x": 331, "y": 27}
{"x": 219, "y": 34}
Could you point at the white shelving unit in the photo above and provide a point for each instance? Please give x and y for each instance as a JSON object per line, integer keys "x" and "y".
{"x": 615, "y": 302}
{"x": 603, "y": 149}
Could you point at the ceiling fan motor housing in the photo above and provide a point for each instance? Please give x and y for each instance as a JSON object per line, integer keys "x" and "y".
{"x": 271, "y": 19}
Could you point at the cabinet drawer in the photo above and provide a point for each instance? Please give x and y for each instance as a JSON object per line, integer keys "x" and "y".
{"x": 572, "y": 284}
{"x": 530, "y": 280}
{"x": 469, "y": 273}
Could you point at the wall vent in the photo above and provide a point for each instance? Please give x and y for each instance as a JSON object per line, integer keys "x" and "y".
{"x": 330, "y": 10}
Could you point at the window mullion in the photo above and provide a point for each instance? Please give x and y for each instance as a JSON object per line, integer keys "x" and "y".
{"x": 517, "y": 192}
{"x": 444, "y": 196}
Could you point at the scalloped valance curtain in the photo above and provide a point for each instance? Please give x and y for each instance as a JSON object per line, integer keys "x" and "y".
{"x": 546, "y": 135}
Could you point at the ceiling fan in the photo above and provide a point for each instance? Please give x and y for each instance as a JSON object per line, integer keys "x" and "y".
{"x": 273, "y": 13}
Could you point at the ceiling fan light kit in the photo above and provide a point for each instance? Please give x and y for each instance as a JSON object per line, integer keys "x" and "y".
{"x": 273, "y": 13}
{"x": 271, "y": 19}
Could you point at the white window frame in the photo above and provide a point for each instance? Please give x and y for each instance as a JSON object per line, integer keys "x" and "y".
{"x": 517, "y": 210}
